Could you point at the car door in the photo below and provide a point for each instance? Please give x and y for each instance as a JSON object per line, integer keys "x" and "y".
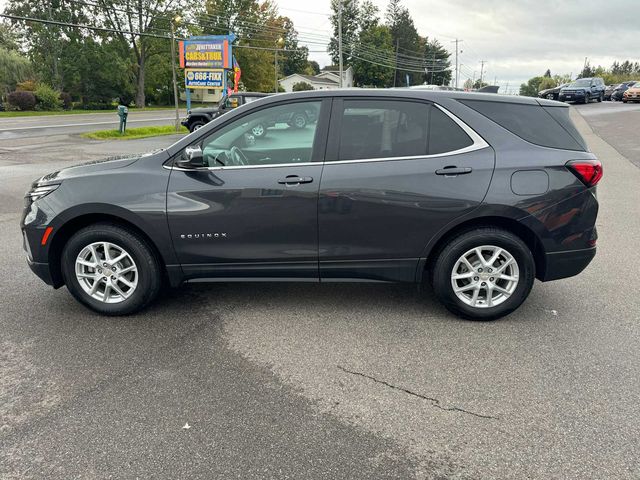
{"x": 397, "y": 171}
{"x": 252, "y": 210}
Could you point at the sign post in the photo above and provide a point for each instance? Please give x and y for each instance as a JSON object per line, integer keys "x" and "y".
{"x": 205, "y": 61}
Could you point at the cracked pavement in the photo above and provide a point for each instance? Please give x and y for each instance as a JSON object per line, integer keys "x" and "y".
{"x": 322, "y": 381}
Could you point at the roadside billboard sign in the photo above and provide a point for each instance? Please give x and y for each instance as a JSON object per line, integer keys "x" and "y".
{"x": 204, "y": 78}
{"x": 206, "y": 52}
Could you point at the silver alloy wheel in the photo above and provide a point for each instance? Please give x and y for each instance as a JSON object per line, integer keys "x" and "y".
{"x": 197, "y": 127}
{"x": 485, "y": 276}
{"x": 299, "y": 121}
{"x": 106, "y": 272}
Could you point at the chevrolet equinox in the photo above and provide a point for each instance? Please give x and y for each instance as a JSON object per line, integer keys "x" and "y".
{"x": 476, "y": 194}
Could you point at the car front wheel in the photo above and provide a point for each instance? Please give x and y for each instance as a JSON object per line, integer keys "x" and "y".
{"x": 110, "y": 269}
{"x": 198, "y": 124}
{"x": 483, "y": 274}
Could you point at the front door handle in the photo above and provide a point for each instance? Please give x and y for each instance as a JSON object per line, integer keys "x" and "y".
{"x": 294, "y": 180}
{"x": 452, "y": 171}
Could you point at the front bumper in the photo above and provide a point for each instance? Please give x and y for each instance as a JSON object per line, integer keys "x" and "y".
{"x": 566, "y": 264}
{"x": 572, "y": 97}
{"x": 42, "y": 270}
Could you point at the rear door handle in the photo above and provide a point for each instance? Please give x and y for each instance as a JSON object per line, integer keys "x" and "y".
{"x": 294, "y": 180}
{"x": 453, "y": 171}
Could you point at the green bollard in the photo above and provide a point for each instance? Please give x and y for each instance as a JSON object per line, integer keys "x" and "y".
{"x": 122, "y": 113}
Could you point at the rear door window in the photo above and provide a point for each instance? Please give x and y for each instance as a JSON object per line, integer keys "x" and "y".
{"x": 373, "y": 129}
{"x": 547, "y": 127}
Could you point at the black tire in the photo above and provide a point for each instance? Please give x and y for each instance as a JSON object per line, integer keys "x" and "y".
{"x": 149, "y": 272}
{"x": 587, "y": 98}
{"x": 193, "y": 126}
{"x": 600, "y": 98}
{"x": 442, "y": 269}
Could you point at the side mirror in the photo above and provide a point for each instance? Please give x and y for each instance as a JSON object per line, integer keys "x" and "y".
{"x": 192, "y": 157}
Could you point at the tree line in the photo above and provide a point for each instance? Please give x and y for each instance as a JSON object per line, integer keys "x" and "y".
{"x": 95, "y": 51}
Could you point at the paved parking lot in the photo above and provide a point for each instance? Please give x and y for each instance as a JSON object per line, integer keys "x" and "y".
{"x": 325, "y": 381}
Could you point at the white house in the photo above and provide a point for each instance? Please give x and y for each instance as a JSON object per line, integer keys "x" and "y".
{"x": 327, "y": 80}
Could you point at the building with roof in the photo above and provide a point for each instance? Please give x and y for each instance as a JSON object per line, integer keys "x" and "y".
{"x": 327, "y": 80}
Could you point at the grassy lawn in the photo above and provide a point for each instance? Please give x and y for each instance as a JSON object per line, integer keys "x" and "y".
{"x": 78, "y": 111}
{"x": 133, "y": 133}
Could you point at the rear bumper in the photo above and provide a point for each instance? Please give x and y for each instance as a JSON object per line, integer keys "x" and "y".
{"x": 566, "y": 264}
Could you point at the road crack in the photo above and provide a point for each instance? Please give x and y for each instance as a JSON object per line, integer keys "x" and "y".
{"x": 434, "y": 401}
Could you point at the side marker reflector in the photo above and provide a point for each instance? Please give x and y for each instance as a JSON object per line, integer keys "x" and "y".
{"x": 45, "y": 237}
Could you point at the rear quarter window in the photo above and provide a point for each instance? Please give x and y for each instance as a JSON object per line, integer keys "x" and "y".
{"x": 547, "y": 127}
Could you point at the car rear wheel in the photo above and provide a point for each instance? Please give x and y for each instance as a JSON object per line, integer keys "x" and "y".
{"x": 110, "y": 269}
{"x": 483, "y": 274}
{"x": 196, "y": 125}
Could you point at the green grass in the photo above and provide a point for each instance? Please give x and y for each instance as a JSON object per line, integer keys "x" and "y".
{"x": 133, "y": 133}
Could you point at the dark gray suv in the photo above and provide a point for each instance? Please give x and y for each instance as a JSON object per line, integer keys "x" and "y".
{"x": 476, "y": 194}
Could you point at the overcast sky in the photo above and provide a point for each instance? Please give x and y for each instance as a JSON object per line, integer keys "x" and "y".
{"x": 518, "y": 38}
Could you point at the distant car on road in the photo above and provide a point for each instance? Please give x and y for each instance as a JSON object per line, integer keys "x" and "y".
{"x": 199, "y": 117}
{"x": 476, "y": 194}
{"x": 618, "y": 93}
{"x": 583, "y": 90}
{"x": 551, "y": 93}
{"x": 632, "y": 94}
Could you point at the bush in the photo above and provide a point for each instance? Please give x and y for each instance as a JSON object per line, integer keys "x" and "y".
{"x": 47, "y": 98}
{"x": 67, "y": 101}
{"x": 97, "y": 106}
{"x": 27, "y": 86}
{"x": 22, "y": 100}
{"x": 301, "y": 86}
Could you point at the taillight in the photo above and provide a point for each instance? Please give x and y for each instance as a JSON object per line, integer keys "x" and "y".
{"x": 588, "y": 171}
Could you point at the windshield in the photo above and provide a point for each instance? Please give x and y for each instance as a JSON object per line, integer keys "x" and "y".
{"x": 585, "y": 82}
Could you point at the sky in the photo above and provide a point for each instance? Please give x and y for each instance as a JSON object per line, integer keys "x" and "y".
{"x": 518, "y": 39}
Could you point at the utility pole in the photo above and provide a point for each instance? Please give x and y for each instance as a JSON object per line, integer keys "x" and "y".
{"x": 482, "y": 62}
{"x": 457, "y": 41}
{"x": 56, "y": 78}
{"x": 340, "y": 41}
{"x": 395, "y": 71}
{"x": 173, "y": 69}
{"x": 275, "y": 76}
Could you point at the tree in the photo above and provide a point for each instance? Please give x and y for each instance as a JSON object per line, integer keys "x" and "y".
{"x": 547, "y": 82}
{"x": 371, "y": 74}
{"x": 406, "y": 42}
{"x": 547, "y": 74}
{"x": 350, "y": 27}
{"x": 531, "y": 88}
{"x": 143, "y": 17}
{"x": 313, "y": 68}
{"x": 302, "y": 86}
{"x": 438, "y": 63}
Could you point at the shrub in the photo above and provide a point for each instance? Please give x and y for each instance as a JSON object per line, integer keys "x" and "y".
{"x": 301, "y": 86}
{"x": 27, "y": 86}
{"x": 67, "y": 101}
{"x": 97, "y": 106}
{"x": 48, "y": 98}
{"x": 22, "y": 100}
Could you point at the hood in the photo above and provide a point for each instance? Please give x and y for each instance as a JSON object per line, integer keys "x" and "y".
{"x": 204, "y": 110}
{"x": 88, "y": 168}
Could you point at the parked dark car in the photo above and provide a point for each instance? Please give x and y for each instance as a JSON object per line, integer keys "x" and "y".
{"x": 609, "y": 91}
{"x": 583, "y": 90}
{"x": 551, "y": 93}
{"x": 618, "y": 93}
{"x": 475, "y": 194}
{"x": 198, "y": 117}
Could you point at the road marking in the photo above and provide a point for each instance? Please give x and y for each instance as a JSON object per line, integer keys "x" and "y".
{"x": 83, "y": 124}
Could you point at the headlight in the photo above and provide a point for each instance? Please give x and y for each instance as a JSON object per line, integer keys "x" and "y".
{"x": 40, "y": 191}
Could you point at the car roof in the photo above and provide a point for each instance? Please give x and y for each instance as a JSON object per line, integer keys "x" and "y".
{"x": 431, "y": 95}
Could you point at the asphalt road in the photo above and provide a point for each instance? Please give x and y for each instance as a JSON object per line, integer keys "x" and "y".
{"x": 13, "y": 128}
{"x": 325, "y": 381}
